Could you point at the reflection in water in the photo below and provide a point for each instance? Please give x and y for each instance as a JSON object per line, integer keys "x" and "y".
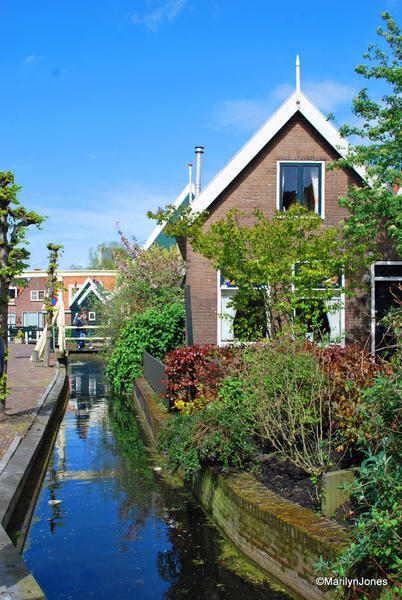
{"x": 107, "y": 526}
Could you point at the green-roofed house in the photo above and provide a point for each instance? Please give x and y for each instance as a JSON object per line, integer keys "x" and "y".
{"x": 158, "y": 236}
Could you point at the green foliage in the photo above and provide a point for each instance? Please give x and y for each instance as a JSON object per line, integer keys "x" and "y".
{"x": 53, "y": 285}
{"x": 282, "y": 394}
{"x": 374, "y": 207}
{"x": 293, "y": 253}
{"x": 214, "y": 436}
{"x": 376, "y": 494}
{"x": 14, "y": 221}
{"x": 155, "y": 331}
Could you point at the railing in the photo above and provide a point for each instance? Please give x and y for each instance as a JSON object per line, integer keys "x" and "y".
{"x": 31, "y": 334}
{"x": 74, "y": 329}
{"x": 154, "y": 373}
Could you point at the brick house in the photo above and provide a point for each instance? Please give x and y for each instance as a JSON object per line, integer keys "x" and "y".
{"x": 26, "y": 308}
{"x": 285, "y": 160}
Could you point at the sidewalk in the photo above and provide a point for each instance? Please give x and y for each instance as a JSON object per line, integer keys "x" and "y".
{"x": 27, "y": 381}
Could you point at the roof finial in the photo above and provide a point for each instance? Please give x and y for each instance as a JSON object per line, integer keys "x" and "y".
{"x": 297, "y": 79}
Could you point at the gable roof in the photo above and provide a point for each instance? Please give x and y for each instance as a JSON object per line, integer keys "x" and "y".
{"x": 297, "y": 102}
{"x": 157, "y": 235}
{"x": 96, "y": 287}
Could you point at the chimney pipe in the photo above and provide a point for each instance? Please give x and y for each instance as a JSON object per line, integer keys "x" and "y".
{"x": 198, "y": 152}
{"x": 190, "y": 182}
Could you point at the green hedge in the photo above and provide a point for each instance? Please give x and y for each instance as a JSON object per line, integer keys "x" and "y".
{"x": 156, "y": 331}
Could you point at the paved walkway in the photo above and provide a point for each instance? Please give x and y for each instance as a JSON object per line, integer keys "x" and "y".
{"x": 27, "y": 381}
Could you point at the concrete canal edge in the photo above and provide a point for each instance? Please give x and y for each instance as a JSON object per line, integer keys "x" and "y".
{"x": 284, "y": 539}
{"x": 16, "y": 580}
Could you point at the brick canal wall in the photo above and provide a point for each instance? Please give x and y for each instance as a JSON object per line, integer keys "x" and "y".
{"x": 281, "y": 537}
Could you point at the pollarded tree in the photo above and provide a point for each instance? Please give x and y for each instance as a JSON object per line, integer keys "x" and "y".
{"x": 374, "y": 206}
{"x": 14, "y": 220}
{"x": 53, "y": 288}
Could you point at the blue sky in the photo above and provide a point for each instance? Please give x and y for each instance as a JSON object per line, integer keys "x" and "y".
{"x": 103, "y": 101}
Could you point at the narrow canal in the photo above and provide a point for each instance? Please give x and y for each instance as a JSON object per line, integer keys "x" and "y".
{"x": 107, "y": 525}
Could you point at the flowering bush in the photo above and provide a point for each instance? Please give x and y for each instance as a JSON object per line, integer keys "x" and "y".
{"x": 146, "y": 279}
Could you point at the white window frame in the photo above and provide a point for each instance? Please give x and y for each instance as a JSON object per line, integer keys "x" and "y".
{"x": 91, "y": 315}
{"x": 227, "y": 292}
{"x": 13, "y": 288}
{"x": 340, "y": 311}
{"x": 35, "y": 295}
{"x": 40, "y": 319}
{"x": 231, "y": 291}
{"x": 373, "y": 280}
{"x": 301, "y": 162}
{"x": 12, "y": 319}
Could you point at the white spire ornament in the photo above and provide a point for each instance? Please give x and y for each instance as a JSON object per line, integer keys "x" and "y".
{"x": 297, "y": 79}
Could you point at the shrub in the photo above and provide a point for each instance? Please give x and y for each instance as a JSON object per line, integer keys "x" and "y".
{"x": 281, "y": 392}
{"x": 155, "y": 331}
{"x": 214, "y": 436}
{"x": 193, "y": 375}
{"x": 374, "y": 550}
{"x": 349, "y": 371}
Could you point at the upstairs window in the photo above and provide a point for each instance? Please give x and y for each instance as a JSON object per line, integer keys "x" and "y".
{"x": 300, "y": 183}
{"x": 37, "y": 295}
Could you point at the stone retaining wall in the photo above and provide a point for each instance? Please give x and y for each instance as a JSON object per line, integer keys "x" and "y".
{"x": 281, "y": 537}
{"x": 16, "y": 580}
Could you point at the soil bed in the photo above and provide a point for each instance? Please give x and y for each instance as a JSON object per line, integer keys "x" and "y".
{"x": 292, "y": 483}
{"x": 288, "y": 481}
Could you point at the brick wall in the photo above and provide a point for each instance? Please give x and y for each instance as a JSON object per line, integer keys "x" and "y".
{"x": 24, "y": 302}
{"x": 256, "y": 187}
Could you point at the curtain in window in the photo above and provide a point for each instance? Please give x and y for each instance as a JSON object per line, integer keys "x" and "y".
{"x": 228, "y": 314}
{"x": 314, "y": 181}
{"x": 334, "y": 318}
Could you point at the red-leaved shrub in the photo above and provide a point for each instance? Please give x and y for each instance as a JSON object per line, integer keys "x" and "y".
{"x": 193, "y": 375}
{"x": 349, "y": 371}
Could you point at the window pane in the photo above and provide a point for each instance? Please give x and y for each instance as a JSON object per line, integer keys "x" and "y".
{"x": 311, "y": 187}
{"x": 388, "y": 271}
{"x": 289, "y": 186}
{"x": 32, "y": 319}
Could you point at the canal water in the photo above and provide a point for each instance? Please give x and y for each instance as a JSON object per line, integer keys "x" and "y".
{"x": 107, "y": 525}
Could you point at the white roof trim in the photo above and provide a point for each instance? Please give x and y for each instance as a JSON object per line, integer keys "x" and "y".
{"x": 176, "y": 204}
{"x": 91, "y": 286}
{"x": 290, "y": 107}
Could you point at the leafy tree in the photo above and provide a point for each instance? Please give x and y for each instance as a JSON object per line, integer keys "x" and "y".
{"x": 14, "y": 221}
{"x": 53, "y": 286}
{"x": 284, "y": 269}
{"x": 104, "y": 257}
{"x": 375, "y": 206}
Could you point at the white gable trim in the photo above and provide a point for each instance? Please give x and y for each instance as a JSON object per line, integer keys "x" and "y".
{"x": 263, "y": 136}
{"x": 161, "y": 227}
{"x": 91, "y": 287}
